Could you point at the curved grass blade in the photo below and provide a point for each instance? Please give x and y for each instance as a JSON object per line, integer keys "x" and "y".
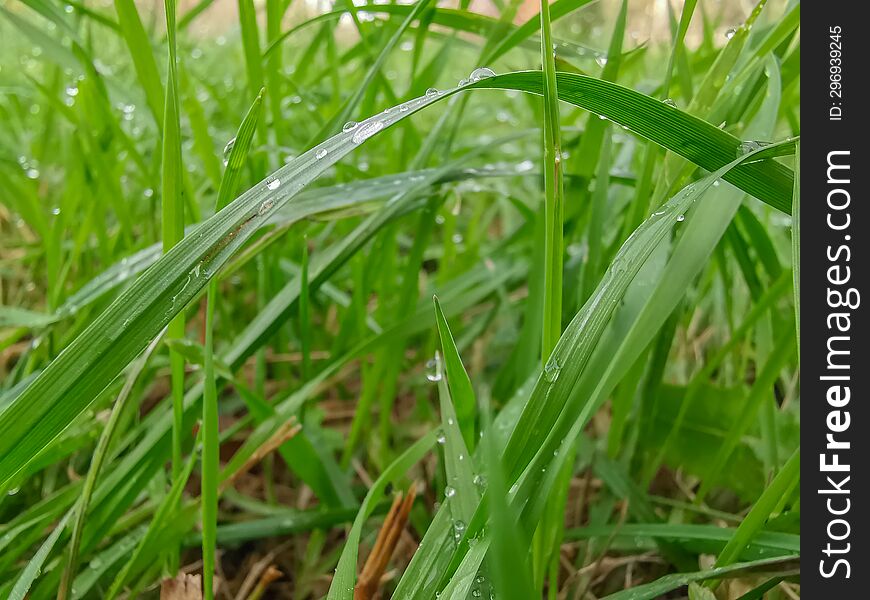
{"x": 34, "y": 566}
{"x": 557, "y": 411}
{"x": 71, "y": 382}
{"x": 100, "y": 454}
{"x": 771, "y": 541}
{"x": 696, "y": 140}
{"x": 668, "y": 583}
{"x": 761, "y": 511}
{"x": 210, "y": 426}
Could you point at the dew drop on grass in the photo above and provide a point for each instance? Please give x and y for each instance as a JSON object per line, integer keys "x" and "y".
{"x": 366, "y": 130}
{"x": 229, "y": 148}
{"x": 481, "y": 73}
{"x": 441, "y": 439}
{"x": 273, "y": 183}
{"x": 432, "y": 92}
{"x": 449, "y": 492}
{"x": 32, "y": 173}
{"x": 552, "y": 371}
{"x": 321, "y": 153}
{"x": 601, "y": 60}
{"x": 349, "y": 126}
{"x": 264, "y": 207}
{"x": 458, "y": 530}
{"x": 749, "y": 146}
{"x": 681, "y": 218}
{"x": 730, "y": 33}
{"x": 433, "y": 368}
{"x": 476, "y": 593}
{"x": 12, "y": 491}
{"x": 669, "y": 102}
{"x": 463, "y": 82}
{"x": 479, "y": 480}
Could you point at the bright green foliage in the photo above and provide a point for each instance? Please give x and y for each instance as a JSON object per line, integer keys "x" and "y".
{"x": 220, "y": 237}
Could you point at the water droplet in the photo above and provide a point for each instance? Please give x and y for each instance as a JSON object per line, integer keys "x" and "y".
{"x": 432, "y": 92}
{"x": 681, "y": 218}
{"x": 273, "y": 183}
{"x": 349, "y": 126}
{"x": 480, "y": 579}
{"x": 716, "y": 183}
{"x": 749, "y": 146}
{"x": 525, "y": 166}
{"x": 481, "y": 73}
{"x": 449, "y": 492}
{"x": 456, "y": 238}
{"x": 441, "y": 439}
{"x": 32, "y": 173}
{"x": 552, "y": 371}
{"x": 730, "y": 33}
{"x": 321, "y": 153}
{"x": 265, "y": 207}
{"x": 479, "y": 480}
{"x": 55, "y": 211}
{"x": 72, "y": 91}
{"x": 13, "y": 491}
{"x": 68, "y": 8}
{"x": 669, "y": 102}
{"x": 229, "y": 147}
{"x": 367, "y": 130}
{"x": 601, "y": 60}
{"x": 476, "y": 592}
{"x": 433, "y": 368}
{"x": 147, "y": 192}
{"x": 463, "y": 82}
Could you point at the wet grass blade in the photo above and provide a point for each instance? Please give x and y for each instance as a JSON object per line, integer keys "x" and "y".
{"x": 663, "y": 585}
{"x": 210, "y": 427}
{"x": 553, "y": 192}
{"x": 460, "y": 385}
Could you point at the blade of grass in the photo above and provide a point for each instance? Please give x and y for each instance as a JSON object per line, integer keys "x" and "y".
{"x": 460, "y": 385}
{"x": 172, "y": 204}
{"x": 761, "y": 510}
{"x": 663, "y": 585}
{"x": 210, "y": 426}
{"x": 99, "y": 457}
{"x": 553, "y": 192}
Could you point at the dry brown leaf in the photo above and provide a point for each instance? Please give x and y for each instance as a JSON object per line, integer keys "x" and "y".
{"x": 183, "y": 587}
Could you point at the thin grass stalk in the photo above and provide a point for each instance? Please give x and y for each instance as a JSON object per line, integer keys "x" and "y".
{"x": 173, "y": 222}
{"x": 210, "y": 449}
{"x": 210, "y": 424}
{"x": 553, "y": 200}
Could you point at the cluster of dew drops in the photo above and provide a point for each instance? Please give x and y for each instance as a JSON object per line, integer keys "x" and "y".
{"x": 360, "y": 132}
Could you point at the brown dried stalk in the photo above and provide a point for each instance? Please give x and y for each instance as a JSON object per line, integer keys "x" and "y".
{"x": 284, "y": 433}
{"x": 385, "y": 545}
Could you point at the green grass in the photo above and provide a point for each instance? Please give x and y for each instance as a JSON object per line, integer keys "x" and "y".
{"x": 214, "y": 228}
